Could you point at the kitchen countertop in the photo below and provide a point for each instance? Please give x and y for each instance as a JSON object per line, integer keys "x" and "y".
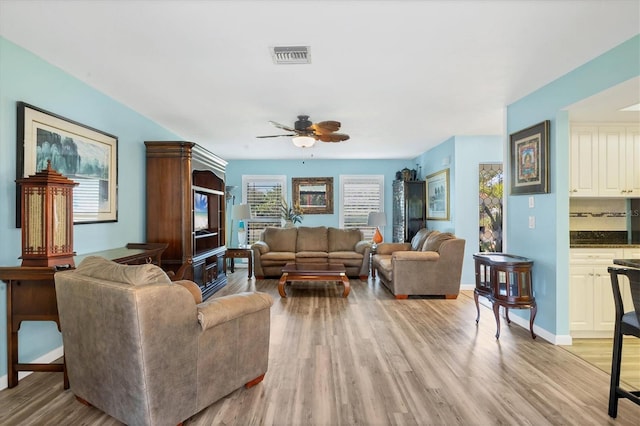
{"x": 605, "y": 245}
{"x": 630, "y": 263}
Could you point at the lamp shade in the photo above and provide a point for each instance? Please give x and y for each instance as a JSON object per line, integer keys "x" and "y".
{"x": 241, "y": 212}
{"x": 303, "y": 141}
{"x": 377, "y": 219}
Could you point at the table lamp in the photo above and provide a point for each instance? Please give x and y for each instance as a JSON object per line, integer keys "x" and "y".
{"x": 377, "y": 219}
{"x": 47, "y": 219}
{"x": 241, "y": 212}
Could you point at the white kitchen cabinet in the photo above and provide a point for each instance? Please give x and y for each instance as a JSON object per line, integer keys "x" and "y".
{"x": 584, "y": 161}
{"x": 591, "y": 307}
{"x": 633, "y": 162}
{"x": 605, "y": 161}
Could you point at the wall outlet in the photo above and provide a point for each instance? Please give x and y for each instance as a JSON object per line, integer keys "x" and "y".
{"x": 532, "y": 222}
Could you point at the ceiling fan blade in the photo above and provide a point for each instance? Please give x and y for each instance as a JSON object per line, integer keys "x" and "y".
{"x": 325, "y": 127}
{"x": 333, "y": 137}
{"x": 274, "y": 136}
{"x": 282, "y": 126}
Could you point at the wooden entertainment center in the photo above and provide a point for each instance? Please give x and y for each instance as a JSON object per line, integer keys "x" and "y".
{"x": 186, "y": 210}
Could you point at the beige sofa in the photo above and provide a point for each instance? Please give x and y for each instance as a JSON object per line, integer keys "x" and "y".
{"x": 318, "y": 244}
{"x": 431, "y": 265}
{"x": 144, "y": 350}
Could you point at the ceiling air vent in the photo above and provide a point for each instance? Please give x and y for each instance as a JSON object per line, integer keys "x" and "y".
{"x": 291, "y": 54}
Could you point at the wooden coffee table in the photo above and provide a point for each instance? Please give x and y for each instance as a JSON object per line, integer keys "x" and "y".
{"x": 313, "y": 272}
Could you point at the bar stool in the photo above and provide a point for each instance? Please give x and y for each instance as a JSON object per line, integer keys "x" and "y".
{"x": 626, "y": 324}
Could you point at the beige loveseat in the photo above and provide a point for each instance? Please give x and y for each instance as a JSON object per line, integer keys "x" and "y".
{"x": 143, "y": 350}
{"x": 317, "y": 244}
{"x": 431, "y": 265}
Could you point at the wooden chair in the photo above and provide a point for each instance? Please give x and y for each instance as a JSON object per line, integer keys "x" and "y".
{"x": 626, "y": 324}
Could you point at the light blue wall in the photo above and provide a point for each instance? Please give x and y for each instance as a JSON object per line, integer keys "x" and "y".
{"x": 436, "y": 159}
{"x": 470, "y": 152}
{"x": 462, "y": 155}
{"x": 25, "y": 77}
{"x": 548, "y": 243}
{"x": 320, "y": 168}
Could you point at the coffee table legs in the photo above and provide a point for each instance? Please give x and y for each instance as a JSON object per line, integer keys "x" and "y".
{"x": 285, "y": 277}
{"x": 347, "y": 286}
{"x": 281, "y": 284}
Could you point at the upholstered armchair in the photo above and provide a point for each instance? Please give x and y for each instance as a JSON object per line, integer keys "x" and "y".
{"x": 147, "y": 351}
{"x": 431, "y": 265}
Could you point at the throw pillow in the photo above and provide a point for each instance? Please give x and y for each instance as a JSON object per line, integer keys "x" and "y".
{"x": 435, "y": 239}
{"x": 418, "y": 240}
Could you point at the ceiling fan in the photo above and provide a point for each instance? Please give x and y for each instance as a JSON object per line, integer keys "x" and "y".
{"x": 305, "y": 133}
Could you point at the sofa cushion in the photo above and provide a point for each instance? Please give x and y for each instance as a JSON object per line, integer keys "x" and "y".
{"x": 280, "y": 239}
{"x": 105, "y": 269}
{"x": 435, "y": 239}
{"x": 312, "y": 239}
{"x": 418, "y": 240}
{"x": 343, "y": 239}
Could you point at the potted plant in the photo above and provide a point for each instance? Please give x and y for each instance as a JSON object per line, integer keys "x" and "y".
{"x": 290, "y": 215}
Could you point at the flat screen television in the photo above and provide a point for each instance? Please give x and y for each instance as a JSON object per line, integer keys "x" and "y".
{"x": 200, "y": 211}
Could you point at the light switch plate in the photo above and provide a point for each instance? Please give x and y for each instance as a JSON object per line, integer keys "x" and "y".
{"x": 532, "y": 222}
{"x": 531, "y": 202}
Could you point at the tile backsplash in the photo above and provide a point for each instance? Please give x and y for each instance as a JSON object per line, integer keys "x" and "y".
{"x": 598, "y": 214}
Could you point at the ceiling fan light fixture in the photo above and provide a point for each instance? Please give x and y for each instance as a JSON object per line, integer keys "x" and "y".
{"x": 303, "y": 141}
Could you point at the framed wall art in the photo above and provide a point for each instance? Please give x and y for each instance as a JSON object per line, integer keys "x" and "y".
{"x": 438, "y": 195}
{"x": 313, "y": 195}
{"x": 529, "y": 157}
{"x": 83, "y": 154}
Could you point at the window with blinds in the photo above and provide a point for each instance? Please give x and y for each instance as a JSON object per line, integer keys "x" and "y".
{"x": 264, "y": 194}
{"x": 359, "y": 195}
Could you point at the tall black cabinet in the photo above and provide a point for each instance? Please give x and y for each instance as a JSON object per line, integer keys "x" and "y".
{"x": 409, "y": 209}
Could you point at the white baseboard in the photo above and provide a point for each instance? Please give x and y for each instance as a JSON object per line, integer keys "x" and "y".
{"x": 44, "y": 359}
{"x": 556, "y": 339}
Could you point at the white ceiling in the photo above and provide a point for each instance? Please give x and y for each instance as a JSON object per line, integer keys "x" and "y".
{"x": 401, "y": 76}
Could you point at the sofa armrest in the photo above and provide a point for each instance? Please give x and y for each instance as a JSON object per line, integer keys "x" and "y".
{"x": 193, "y": 288}
{"x": 222, "y": 309}
{"x": 388, "y": 248}
{"x": 261, "y": 246}
{"x": 361, "y": 246}
{"x": 431, "y": 256}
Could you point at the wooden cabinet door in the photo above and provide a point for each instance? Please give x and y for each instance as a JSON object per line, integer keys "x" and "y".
{"x": 581, "y": 298}
{"x": 604, "y": 311}
{"x": 612, "y": 174}
{"x": 632, "y": 156}
{"x": 584, "y": 162}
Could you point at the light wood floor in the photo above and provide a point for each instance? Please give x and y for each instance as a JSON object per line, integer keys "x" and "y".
{"x": 599, "y": 352}
{"x": 373, "y": 360}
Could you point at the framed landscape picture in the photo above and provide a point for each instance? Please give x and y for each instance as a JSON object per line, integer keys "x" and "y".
{"x": 529, "y": 157}
{"x": 438, "y": 195}
{"x": 313, "y": 195}
{"x": 85, "y": 155}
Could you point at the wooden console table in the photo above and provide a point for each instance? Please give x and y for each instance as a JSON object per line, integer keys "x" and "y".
{"x": 505, "y": 280}
{"x": 31, "y": 296}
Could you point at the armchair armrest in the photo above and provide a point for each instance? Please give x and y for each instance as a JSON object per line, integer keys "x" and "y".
{"x": 388, "y": 248}
{"x": 261, "y": 246}
{"x": 416, "y": 255}
{"x": 361, "y": 246}
{"x": 227, "y": 308}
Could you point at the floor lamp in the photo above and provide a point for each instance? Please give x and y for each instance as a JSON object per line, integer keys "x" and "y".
{"x": 377, "y": 219}
{"x": 241, "y": 212}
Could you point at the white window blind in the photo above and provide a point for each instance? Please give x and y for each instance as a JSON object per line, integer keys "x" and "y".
{"x": 264, "y": 193}
{"x": 359, "y": 195}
